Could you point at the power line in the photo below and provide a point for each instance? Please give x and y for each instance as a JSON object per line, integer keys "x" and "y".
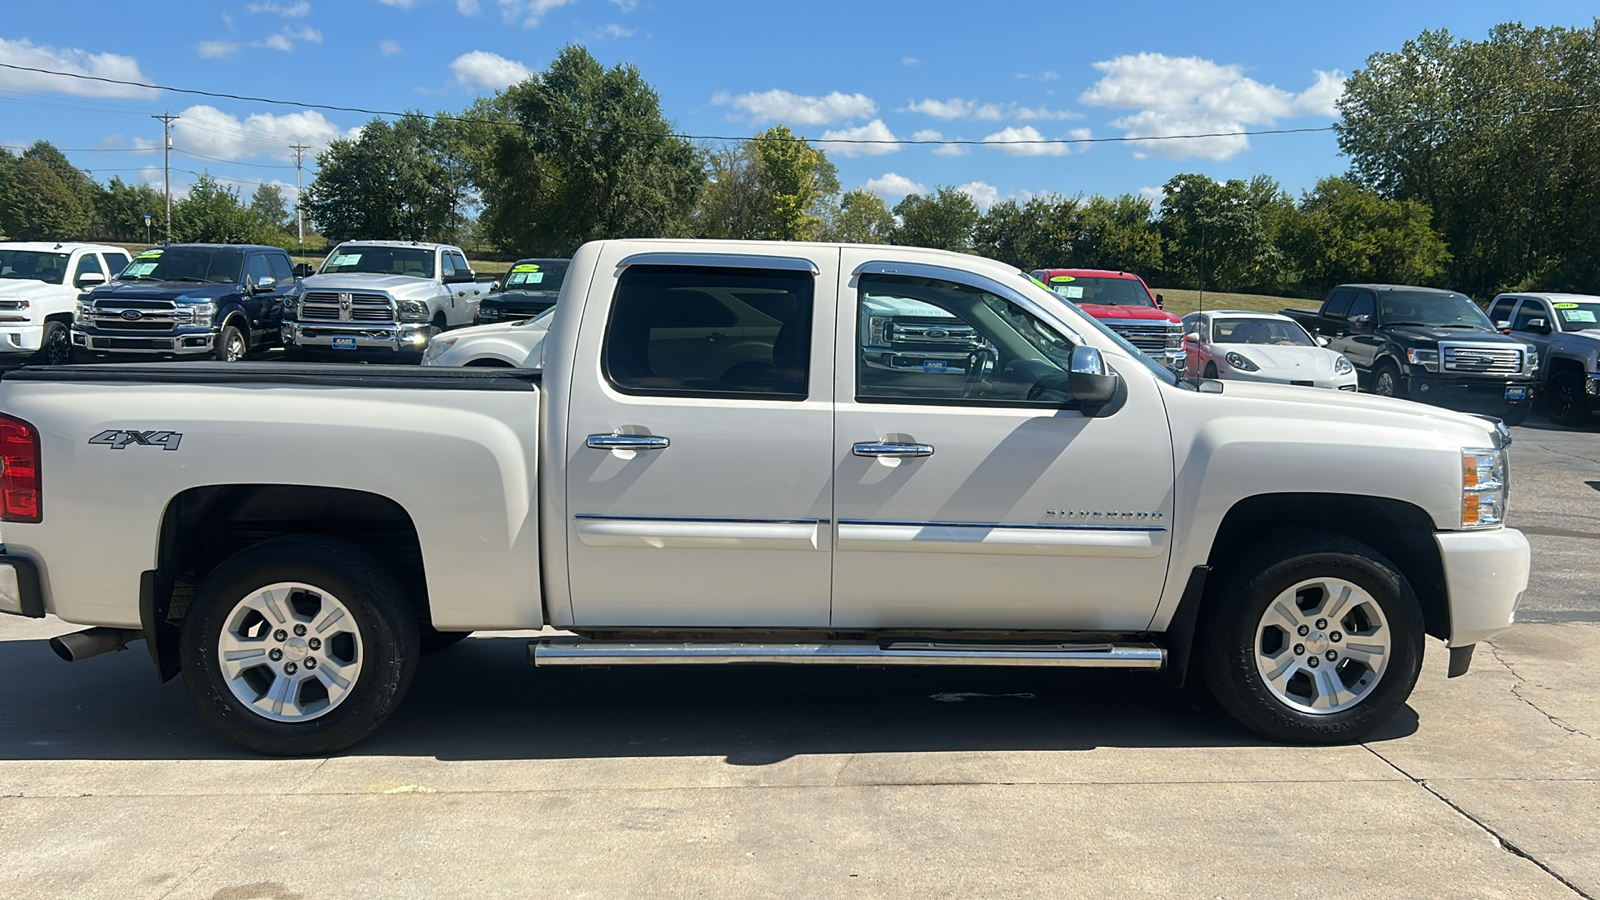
{"x": 230, "y": 162}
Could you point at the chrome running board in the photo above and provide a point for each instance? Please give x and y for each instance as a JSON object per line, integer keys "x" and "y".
{"x": 584, "y": 652}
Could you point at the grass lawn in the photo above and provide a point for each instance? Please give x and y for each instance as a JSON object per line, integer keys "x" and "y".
{"x": 1182, "y": 302}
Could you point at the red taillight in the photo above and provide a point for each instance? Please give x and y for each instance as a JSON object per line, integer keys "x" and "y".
{"x": 19, "y": 471}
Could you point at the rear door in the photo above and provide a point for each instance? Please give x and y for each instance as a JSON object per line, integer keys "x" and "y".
{"x": 700, "y": 427}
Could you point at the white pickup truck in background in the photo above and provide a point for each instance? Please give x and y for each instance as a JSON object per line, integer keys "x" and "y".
{"x": 39, "y": 288}
{"x": 713, "y": 468}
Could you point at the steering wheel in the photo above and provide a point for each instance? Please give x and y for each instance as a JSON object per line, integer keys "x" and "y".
{"x": 975, "y": 363}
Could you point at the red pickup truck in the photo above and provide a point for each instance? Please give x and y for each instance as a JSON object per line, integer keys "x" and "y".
{"x": 1124, "y": 303}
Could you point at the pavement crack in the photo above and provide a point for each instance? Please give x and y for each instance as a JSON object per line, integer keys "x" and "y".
{"x": 1516, "y": 691}
{"x": 1500, "y": 839}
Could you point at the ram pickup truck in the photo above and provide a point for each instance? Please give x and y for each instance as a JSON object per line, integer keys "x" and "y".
{"x": 39, "y": 287}
{"x": 1565, "y": 330}
{"x": 1428, "y": 345}
{"x": 384, "y": 298}
{"x": 1125, "y": 304}
{"x": 708, "y": 470}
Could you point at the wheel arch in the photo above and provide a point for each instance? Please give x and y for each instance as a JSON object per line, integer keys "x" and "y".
{"x": 203, "y": 526}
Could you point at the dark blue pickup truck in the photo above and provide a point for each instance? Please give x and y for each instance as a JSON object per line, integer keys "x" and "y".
{"x": 190, "y": 301}
{"x": 1426, "y": 344}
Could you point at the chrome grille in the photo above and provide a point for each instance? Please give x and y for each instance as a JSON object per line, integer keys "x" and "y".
{"x": 1154, "y": 338}
{"x": 328, "y": 306}
{"x": 1482, "y": 360}
{"x": 153, "y": 316}
{"x": 901, "y": 332}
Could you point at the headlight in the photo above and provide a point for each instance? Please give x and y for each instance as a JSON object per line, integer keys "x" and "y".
{"x": 1428, "y": 359}
{"x": 201, "y": 313}
{"x": 1483, "y": 488}
{"x": 1531, "y": 354}
{"x": 488, "y": 312}
{"x": 85, "y": 309}
{"x": 13, "y": 304}
{"x": 1341, "y": 366}
{"x": 415, "y": 311}
{"x": 1240, "y": 362}
{"x": 877, "y": 331}
{"x": 437, "y": 347}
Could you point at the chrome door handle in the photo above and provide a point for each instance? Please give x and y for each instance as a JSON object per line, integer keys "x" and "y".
{"x": 626, "y": 442}
{"x": 880, "y": 450}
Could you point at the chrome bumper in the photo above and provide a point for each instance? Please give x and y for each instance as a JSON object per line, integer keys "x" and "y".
{"x": 398, "y": 338}
{"x": 1485, "y": 574}
{"x": 179, "y": 344}
{"x": 19, "y": 588}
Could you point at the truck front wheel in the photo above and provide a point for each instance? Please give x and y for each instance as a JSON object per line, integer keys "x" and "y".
{"x": 300, "y": 645}
{"x": 1314, "y": 638}
{"x": 55, "y": 347}
{"x": 1386, "y": 380}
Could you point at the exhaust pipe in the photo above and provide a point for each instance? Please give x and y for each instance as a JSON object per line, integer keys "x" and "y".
{"x": 81, "y": 645}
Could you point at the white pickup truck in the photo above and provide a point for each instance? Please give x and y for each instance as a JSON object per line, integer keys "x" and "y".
{"x": 39, "y": 288}
{"x": 391, "y": 297}
{"x": 706, "y": 472}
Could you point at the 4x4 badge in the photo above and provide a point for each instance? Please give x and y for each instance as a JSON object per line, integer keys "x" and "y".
{"x": 117, "y": 440}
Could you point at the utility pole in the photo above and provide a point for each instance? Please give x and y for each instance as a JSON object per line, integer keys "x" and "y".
{"x": 299, "y": 217}
{"x": 166, "y": 163}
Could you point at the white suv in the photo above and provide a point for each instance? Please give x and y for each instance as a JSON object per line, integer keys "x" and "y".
{"x": 39, "y": 287}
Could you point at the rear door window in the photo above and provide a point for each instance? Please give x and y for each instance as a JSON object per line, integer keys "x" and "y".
{"x": 281, "y": 270}
{"x": 1501, "y": 310}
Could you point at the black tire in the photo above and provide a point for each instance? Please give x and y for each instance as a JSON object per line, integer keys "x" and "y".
{"x": 1568, "y": 406}
{"x": 1211, "y": 370}
{"x": 55, "y": 346}
{"x": 433, "y": 639}
{"x": 232, "y": 345}
{"x": 1235, "y": 612}
{"x": 1386, "y": 380}
{"x": 384, "y": 618}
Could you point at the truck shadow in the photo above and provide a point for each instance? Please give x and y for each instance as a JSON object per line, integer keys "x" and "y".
{"x": 480, "y": 700}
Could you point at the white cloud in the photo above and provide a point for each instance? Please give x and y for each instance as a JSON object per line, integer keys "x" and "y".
{"x": 958, "y": 108}
{"x": 1022, "y": 142}
{"x": 22, "y": 52}
{"x": 1192, "y": 95}
{"x": 529, "y": 12}
{"x": 1041, "y": 76}
{"x": 208, "y": 131}
{"x": 617, "y": 32}
{"x": 389, "y": 48}
{"x": 798, "y": 109}
{"x": 286, "y": 39}
{"x": 626, "y": 6}
{"x": 1036, "y": 113}
{"x": 1153, "y": 193}
{"x": 296, "y": 10}
{"x": 982, "y": 193}
{"x": 468, "y": 7}
{"x": 216, "y": 49}
{"x": 928, "y": 134}
{"x": 480, "y": 68}
{"x": 890, "y": 186}
{"x": 872, "y": 131}
{"x": 910, "y": 61}
{"x": 400, "y": 4}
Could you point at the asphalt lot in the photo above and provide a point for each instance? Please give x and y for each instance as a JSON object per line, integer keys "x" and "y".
{"x": 498, "y": 780}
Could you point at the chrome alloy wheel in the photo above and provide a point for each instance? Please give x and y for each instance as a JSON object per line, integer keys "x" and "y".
{"x": 290, "y": 651}
{"x": 1322, "y": 646}
{"x": 234, "y": 350}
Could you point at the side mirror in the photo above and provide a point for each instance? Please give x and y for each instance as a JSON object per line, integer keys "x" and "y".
{"x": 1161, "y": 302}
{"x": 1539, "y": 326}
{"x": 460, "y": 278}
{"x": 494, "y": 288}
{"x": 304, "y": 270}
{"x": 1192, "y": 336}
{"x": 1087, "y": 379}
{"x": 1361, "y": 321}
{"x": 89, "y": 279}
{"x": 1322, "y": 341}
{"x": 265, "y": 285}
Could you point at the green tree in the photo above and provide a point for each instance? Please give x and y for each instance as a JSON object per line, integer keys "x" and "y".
{"x": 1349, "y": 233}
{"x": 589, "y": 155}
{"x": 733, "y": 203}
{"x": 799, "y": 184}
{"x": 1215, "y": 235}
{"x": 75, "y": 179}
{"x": 1037, "y": 233}
{"x": 211, "y": 213}
{"x": 943, "y": 221}
{"x": 121, "y": 208}
{"x": 269, "y": 212}
{"x": 1118, "y": 233}
{"x": 396, "y": 180}
{"x": 35, "y": 205}
{"x": 863, "y": 218}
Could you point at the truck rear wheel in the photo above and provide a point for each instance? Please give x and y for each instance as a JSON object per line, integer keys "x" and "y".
{"x": 298, "y": 646}
{"x": 1313, "y": 639}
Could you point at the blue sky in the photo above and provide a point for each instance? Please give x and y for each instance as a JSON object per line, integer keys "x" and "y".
{"x": 891, "y": 70}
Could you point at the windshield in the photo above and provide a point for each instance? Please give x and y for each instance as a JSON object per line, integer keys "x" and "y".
{"x": 413, "y": 261}
{"x": 1441, "y": 310}
{"x": 214, "y": 265}
{"x": 1036, "y": 289}
{"x": 542, "y": 277}
{"x": 1578, "y": 316}
{"x": 1101, "y": 291}
{"x": 32, "y": 265}
{"x": 1259, "y": 331}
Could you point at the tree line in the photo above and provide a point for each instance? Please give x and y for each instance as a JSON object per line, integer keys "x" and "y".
{"x": 1474, "y": 165}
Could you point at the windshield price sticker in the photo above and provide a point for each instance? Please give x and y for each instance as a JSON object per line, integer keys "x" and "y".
{"x": 529, "y": 278}
{"x": 525, "y": 267}
{"x": 345, "y": 259}
{"x": 1566, "y": 306}
{"x": 1061, "y": 279}
{"x": 149, "y": 254}
{"x": 139, "y": 269}
{"x": 1074, "y": 292}
{"x": 1577, "y": 315}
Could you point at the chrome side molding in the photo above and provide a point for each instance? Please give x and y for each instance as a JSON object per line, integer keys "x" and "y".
{"x": 584, "y": 652}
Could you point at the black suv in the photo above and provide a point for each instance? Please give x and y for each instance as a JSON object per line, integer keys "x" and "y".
{"x": 1426, "y": 344}
{"x": 215, "y": 301}
{"x": 530, "y": 288}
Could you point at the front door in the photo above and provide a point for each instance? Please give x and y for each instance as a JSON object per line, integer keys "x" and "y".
{"x": 977, "y": 495}
{"x": 698, "y": 458}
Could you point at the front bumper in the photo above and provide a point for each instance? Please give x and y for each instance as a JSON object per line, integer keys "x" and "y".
{"x": 21, "y": 338}
{"x": 1464, "y": 393}
{"x": 19, "y": 588}
{"x": 1485, "y": 574}
{"x": 1330, "y": 382}
{"x": 405, "y": 337}
{"x": 177, "y": 343}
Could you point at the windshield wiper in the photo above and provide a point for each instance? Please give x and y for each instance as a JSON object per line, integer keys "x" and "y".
{"x": 1418, "y": 324}
{"x": 187, "y": 278}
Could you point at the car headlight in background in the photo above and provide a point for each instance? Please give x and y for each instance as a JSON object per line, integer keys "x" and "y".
{"x": 1240, "y": 362}
{"x": 1341, "y": 366}
{"x": 1483, "y": 488}
{"x": 85, "y": 309}
{"x": 414, "y": 311}
{"x": 488, "y": 312}
{"x": 1531, "y": 354}
{"x": 1428, "y": 359}
{"x": 437, "y": 347}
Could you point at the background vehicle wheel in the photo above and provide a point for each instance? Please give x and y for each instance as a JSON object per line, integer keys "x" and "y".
{"x": 55, "y": 347}
{"x": 433, "y": 639}
{"x": 1313, "y": 639}
{"x": 1386, "y": 381}
{"x": 300, "y": 645}
{"x": 231, "y": 345}
{"x": 1567, "y": 403}
{"x": 1211, "y": 370}
{"x": 1516, "y": 415}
